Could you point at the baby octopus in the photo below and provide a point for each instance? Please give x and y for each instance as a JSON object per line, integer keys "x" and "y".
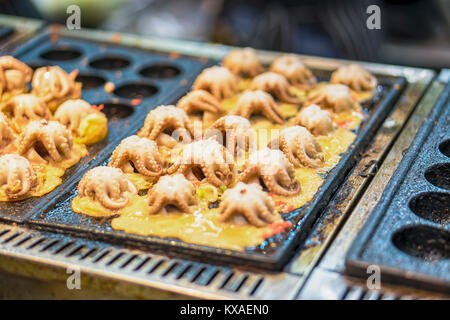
{"x": 72, "y": 112}
{"x": 250, "y": 202}
{"x": 205, "y": 161}
{"x": 276, "y": 85}
{"x": 44, "y": 141}
{"x": 218, "y": 81}
{"x": 17, "y": 174}
{"x": 258, "y": 102}
{"x": 162, "y": 122}
{"x": 243, "y": 62}
{"x": 54, "y": 85}
{"x": 236, "y": 133}
{"x": 199, "y": 101}
{"x": 107, "y": 185}
{"x": 291, "y": 67}
{"x": 24, "y": 108}
{"x": 272, "y": 169}
{"x": 14, "y": 75}
{"x": 336, "y": 97}
{"x": 7, "y": 135}
{"x": 172, "y": 190}
{"x": 299, "y": 146}
{"x": 354, "y": 76}
{"x": 316, "y": 120}
{"x": 140, "y": 154}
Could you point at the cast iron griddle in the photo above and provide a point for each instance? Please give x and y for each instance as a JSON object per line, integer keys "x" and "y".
{"x": 408, "y": 232}
{"x": 125, "y": 67}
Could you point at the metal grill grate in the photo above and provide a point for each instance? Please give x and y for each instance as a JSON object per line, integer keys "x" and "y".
{"x": 155, "y": 270}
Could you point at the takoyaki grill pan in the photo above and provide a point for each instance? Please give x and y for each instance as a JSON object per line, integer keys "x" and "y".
{"x": 142, "y": 80}
{"x": 55, "y": 213}
{"x": 408, "y": 233}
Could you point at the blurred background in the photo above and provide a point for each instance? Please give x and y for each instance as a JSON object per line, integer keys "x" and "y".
{"x": 413, "y": 32}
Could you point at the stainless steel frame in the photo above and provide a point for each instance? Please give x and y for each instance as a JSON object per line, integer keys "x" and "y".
{"x": 315, "y": 272}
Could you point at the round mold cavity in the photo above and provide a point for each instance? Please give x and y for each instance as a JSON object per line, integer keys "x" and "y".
{"x": 116, "y": 110}
{"x": 160, "y": 71}
{"x": 90, "y": 81}
{"x": 432, "y": 206}
{"x": 136, "y": 90}
{"x": 110, "y": 63}
{"x": 427, "y": 243}
{"x": 439, "y": 175}
{"x": 61, "y": 54}
{"x": 444, "y": 147}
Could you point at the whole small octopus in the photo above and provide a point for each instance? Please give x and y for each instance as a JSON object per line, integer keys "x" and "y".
{"x": 355, "y": 77}
{"x": 7, "y": 135}
{"x": 336, "y": 97}
{"x": 72, "y": 112}
{"x": 272, "y": 169}
{"x": 218, "y": 81}
{"x": 275, "y": 84}
{"x": 164, "y": 122}
{"x": 17, "y": 174}
{"x": 205, "y": 161}
{"x": 235, "y": 133}
{"x": 319, "y": 122}
{"x": 14, "y": 75}
{"x": 107, "y": 185}
{"x": 200, "y": 101}
{"x": 44, "y": 141}
{"x": 247, "y": 201}
{"x": 174, "y": 191}
{"x": 299, "y": 146}
{"x": 138, "y": 154}
{"x": 54, "y": 85}
{"x": 293, "y": 69}
{"x": 258, "y": 101}
{"x": 243, "y": 62}
{"x": 24, "y": 108}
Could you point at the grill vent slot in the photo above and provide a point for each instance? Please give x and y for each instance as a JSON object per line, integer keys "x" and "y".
{"x": 156, "y": 266}
{"x": 75, "y": 251}
{"x": 140, "y": 265}
{"x": 36, "y": 243}
{"x": 2, "y": 233}
{"x": 48, "y": 246}
{"x": 114, "y": 259}
{"x": 256, "y": 286}
{"x": 101, "y": 256}
{"x": 21, "y": 242}
{"x": 129, "y": 260}
{"x": 64, "y": 247}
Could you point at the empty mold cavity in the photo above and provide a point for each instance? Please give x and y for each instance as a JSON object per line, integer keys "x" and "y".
{"x": 433, "y": 206}
{"x": 439, "y": 175}
{"x": 444, "y": 147}
{"x": 428, "y": 243}
{"x": 116, "y": 110}
{"x": 136, "y": 91}
{"x": 90, "y": 81}
{"x": 160, "y": 71}
{"x": 110, "y": 63}
{"x": 61, "y": 54}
